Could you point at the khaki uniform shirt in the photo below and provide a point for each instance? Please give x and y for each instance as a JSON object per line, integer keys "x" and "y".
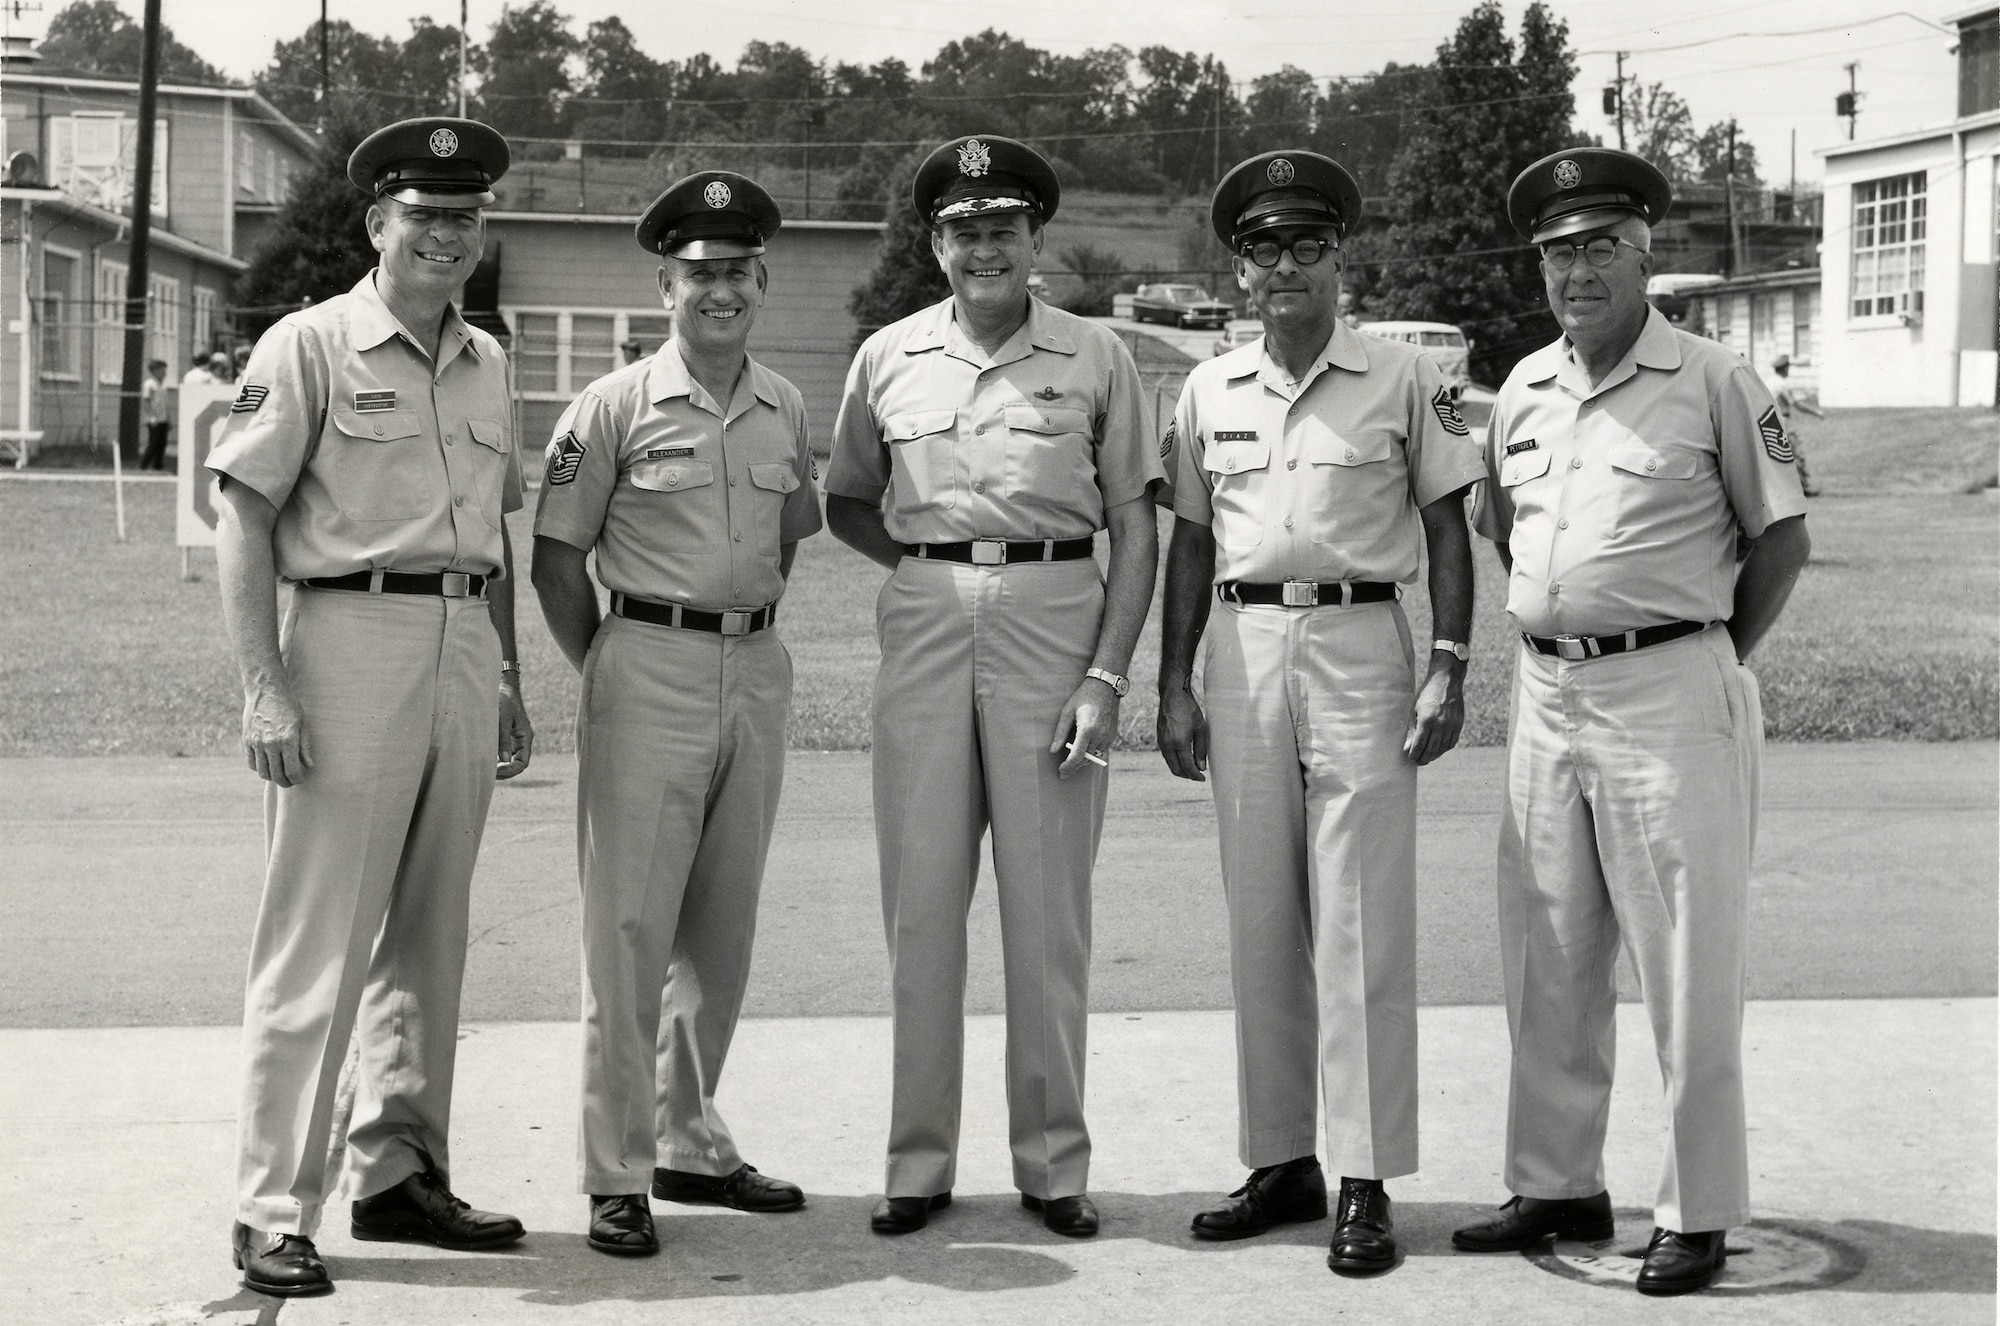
{"x": 1621, "y": 504}
{"x": 684, "y": 501}
{"x": 1320, "y": 479}
{"x": 1034, "y": 443}
{"x": 376, "y": 458}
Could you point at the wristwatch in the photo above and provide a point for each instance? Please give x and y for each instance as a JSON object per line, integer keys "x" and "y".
{"x": 1461, "y": 652}
{"x": 1119, "y": 685}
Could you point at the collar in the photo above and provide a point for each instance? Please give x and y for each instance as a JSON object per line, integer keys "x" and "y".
{"x": 937, "y": 329}
{"x": 1345, "y": 349}
{"x": 371, "y": 323}
{"x": 1656, "y": 348}
{"x": 667, "y": 377}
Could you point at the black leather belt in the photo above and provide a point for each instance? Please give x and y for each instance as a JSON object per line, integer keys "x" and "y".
{"x": 1576, "y": 648}
{"x": 999, "y": 552}
{"x": 445, "y": 584}
{"x": 1306, "y": 593}
{"x": 743, "y": 622}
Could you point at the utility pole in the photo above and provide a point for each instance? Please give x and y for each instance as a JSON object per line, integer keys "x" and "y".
{"x": 1621, "y": 101}
{"x": 1848, "y": 103}
{"x": 1734, "y": 262}
{"x": 461, "y": 58}
{"x": 325, "y": 82}
{"x": 137, "y": 272}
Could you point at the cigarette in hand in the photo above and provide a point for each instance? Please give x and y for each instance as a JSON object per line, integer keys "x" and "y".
{"x": 1090, "y": 755}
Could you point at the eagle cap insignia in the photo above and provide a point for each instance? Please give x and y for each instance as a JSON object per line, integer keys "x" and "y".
{"x": 974, "y": 158}
{"x": 716, "y": 194}
{"x": 1568, "y": 174}
{"x": 1279, "y": 172}
{"x": 444, "y": 143}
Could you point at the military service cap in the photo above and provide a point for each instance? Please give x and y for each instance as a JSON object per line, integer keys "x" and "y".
{"x": 709, "y": 214}
{"x": 431, "y": 162}
{"x": 982, "y": 175}
{"x": 1583, "y": 188}
{"x": 1290, "y": 188}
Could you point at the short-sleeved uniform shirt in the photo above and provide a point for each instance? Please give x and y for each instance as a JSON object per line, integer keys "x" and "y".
{"x": 1034, "y": 443}
{"x": 683, "y": 500}
{"x": 1320, "y": 479}
{"x": 1621, "y": 503}
{"x": 153, "y": 401}
{"x": 376, "y": 458}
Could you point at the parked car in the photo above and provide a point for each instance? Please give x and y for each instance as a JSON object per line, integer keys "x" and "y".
{"x": 1178, "y": 306}
{"x": 1441, "y": 340}
{"x": 1237, "y": 332}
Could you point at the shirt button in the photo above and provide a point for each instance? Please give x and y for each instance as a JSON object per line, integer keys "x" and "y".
{"x": 1562, "y": 524}
{"x": 1291, "y": 464}
{"x": 732, "y": 481}
{"x": 447, "y": 439}
{"x": 673, "y": 478}
{"x": 458, "y": 501}
{"x": 980, "y": 429}
{"x": 1288, "y": 522}
{"x": 737, "y": 537}
{"x": 378, "y": 430}
{"x": 1350, "y": 453}
{"x": 1652, "y": 465}
{"x": 978, "y": 487}
{"x": 1556, "y": 588}
{"x": 1576, "y": 464}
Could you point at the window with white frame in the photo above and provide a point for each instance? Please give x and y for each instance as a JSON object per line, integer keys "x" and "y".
{"x": 58, "y": 310}
{"x": 163, "y": 320}
{"x": 1890, "y": 223}
{"x": 558, "y": 352}
{"x": 203, "y": 330}
{"x": 110, "y": 309}
{"x": 93, "y": 156}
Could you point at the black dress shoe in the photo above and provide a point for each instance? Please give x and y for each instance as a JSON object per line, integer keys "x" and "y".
{"x": 1525, "y": 1221}
{"x": 283, "y": 1264}
{"x": 1072, "y": 1217}
{"x": 421, "y": 1209}
{"x": 1678, "y": 1263}
{"x": 1275, "y": 1195}
{"x": 906, "y": 1215}
{"x": 1364, "y": 1238}
{"x": 622, "y": 1225}
{"x": 743, "y": 1188}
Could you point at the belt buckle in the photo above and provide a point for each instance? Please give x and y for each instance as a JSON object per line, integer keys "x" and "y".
{"x": 1571, "y": 648}
{"x": 736, "y": 623}
{"x": 455, "y": 585}
{"x": 1300, "y": 593}
{"x": 989, "y": 552}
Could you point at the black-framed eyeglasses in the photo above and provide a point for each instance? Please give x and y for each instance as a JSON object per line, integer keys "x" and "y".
{"x": 1598, "y": 252}
{"x": 1305, "y": 250}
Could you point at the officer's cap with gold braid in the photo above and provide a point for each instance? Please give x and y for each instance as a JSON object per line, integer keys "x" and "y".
{"x": 709, "y": 214}
{"x": 984, "y": 175}
{"x": 1585, "y": 188}
{"x": 436, "y": 161}
{"x": 1288, "y": 188}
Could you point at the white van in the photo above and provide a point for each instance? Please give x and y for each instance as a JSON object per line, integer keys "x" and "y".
{"x": 1441, "y": 340}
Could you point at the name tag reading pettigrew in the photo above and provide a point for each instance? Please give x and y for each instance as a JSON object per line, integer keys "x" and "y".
{"x": 668, "y": 453}
{"x": 1515, "y": 448}
{"x": 372, "y": 402}
{"x": 1250, "y": 436}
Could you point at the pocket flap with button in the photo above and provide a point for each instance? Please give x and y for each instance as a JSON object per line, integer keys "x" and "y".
{"x": 1522, "y": 466}
{"x": 1236, "y": 457}
{"x": 377, "y": 425}
{"x": 672, "y": 476}
{"x": 777, "y": 477}
{"x": 1326, "y": 447}
{"x": 1037, "y": 419}
{"x": 488, "y": 433}
{"x": 1638, "y": 458}
{"x": 918, "y": 423}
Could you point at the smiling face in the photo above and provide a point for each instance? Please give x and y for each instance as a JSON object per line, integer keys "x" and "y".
{"x": 427, "y": 251}
{"x": 1290, "y": 298}
{"x": 988, "y": 260}
{"x": 714, "y": 301}
{"x": 1603, "y": 309}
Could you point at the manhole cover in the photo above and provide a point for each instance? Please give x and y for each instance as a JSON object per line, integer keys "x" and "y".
{"x": 1765, "y": 1257}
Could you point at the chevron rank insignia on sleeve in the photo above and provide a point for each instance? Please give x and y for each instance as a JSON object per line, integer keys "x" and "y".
{"x": 565, "y": 455}
{"x": 1447, "y": 413}
{"x": 1776, "y": 445}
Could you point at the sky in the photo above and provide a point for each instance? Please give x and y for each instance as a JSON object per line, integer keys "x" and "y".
{"x": 1775, "y": 65}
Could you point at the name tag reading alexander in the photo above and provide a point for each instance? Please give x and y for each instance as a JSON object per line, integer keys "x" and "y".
{"x": 373, "y": 402}
{"x": 1249, "y": 436}
{"x": 668, "y": 453}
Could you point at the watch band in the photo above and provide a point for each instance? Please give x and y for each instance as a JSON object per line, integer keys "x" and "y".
{"x": 1119, "y": 685}
{"x": 1461, "y": 652}
{"x": 509, "y": 665}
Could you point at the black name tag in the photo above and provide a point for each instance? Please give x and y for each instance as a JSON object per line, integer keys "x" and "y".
{"x": 668, "y": 453}
{"x": 1250, "y": 436}
{"x": 1515, "y": 448}
{"x": 371, "y": 402}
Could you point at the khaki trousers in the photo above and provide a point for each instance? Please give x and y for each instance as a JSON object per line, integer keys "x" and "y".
{"x": 680, "y": 759}
{"x": 977, "y": 663}
{"x": 1316, "y": 811}
{"x": 1631, "y": 814}
{"x": 368, "y": 876}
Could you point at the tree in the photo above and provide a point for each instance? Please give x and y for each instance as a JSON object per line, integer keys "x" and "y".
{"x": 319, "y": 246}
{"x": 1100, "y": 275}
{"x": 906, "y": 276}
{"x": 1449, "y": 253}
{"x": 526, "y": 91}
{"x": 374, "y": 80}
{"x": 1664, "y": 134}
{"x": 1716, "y": 160}
{"x": 95, "y": 36}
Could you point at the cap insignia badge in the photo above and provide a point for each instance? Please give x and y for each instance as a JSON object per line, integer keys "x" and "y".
{"x": 1568, "y": 174}
{"x": 1279, "y": 172}
{"x": 974, "y": 159}
{"x": 716, "y": 194}
{"x": 444, "y": 143}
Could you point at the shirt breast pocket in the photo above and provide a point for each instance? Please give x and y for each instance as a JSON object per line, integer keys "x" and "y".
{"x": 1238, "y": 474}
{"x": 489, "y": 466}
{"x": 1522, "y": 466}
{"x": 1350, "y": 474}
{"x": 1049, "y": 456}
{"x": 773, "y": 482}
{"x": 1644, "y": 461}
{"x": 677, "y": 502}
{"x": 382, "y": 465}
{"x": 923, "y": 459}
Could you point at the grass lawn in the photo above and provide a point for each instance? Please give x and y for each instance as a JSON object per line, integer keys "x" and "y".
{"x": 1894, "y": 631}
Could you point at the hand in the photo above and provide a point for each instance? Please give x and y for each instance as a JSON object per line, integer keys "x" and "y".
{"x": 1088, "y": 722}
{"x": 517, "y": 735}
{"x": 275, "y": 737}
{"x": 1438, "y": 716}
{"x": 1182, "y": 733}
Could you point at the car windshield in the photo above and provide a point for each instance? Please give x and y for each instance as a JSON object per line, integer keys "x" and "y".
{"x": 1450, "y": 338}
{"x": 1185, "y": 294}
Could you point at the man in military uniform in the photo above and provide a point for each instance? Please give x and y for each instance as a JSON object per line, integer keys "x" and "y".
{"x": 369, "y": 462}
{"x": 1307, "y": 465}
{"x": 981, "y": 443}
{"x": 689, "y": 476}
{"x": 1628, "y": 466}
{"x": 1779, "y": 383}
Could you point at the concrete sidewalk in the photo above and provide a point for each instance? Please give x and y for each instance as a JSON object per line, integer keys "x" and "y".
{"x": 1872, "y": 1144}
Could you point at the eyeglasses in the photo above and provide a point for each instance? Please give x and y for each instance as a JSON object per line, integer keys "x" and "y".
{"x": 1305, "y": 250}
{"x": 1598, "y": 252}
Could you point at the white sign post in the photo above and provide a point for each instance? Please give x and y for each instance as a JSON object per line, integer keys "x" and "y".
{"x": 204, "y": 409}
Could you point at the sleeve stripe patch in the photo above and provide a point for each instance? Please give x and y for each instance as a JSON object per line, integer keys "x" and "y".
{"x": 565, "y": 455}
{"x": 1776, "y": 445}
{"x": 1447, "y": 413}
{"x": 249, "y": 399}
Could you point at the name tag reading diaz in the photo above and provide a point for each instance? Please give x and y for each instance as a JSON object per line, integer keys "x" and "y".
{"x": 1246, "y": 435}
{"x": 668, "y": 453}
{"x": 374, "y": 402}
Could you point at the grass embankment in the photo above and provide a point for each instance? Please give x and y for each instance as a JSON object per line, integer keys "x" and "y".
{"x": 1894, "y": 631}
